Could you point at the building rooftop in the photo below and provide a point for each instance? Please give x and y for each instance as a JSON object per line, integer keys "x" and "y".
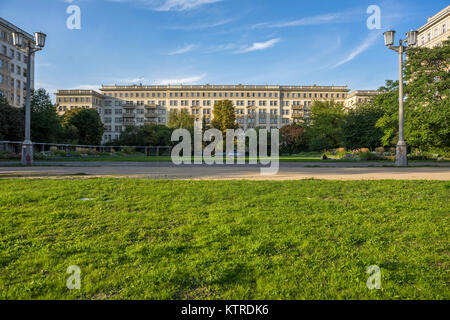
{"x": 12, "y": 27}
{"x": 431, "y": 20}
{"x": 219, "y": 87}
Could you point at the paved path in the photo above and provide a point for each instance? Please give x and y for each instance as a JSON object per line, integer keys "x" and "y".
{"x": 287, "y": 171}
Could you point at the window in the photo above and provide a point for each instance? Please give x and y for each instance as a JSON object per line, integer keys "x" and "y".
{"x": 1, "y": 78}
{"x": 444, "y": 28}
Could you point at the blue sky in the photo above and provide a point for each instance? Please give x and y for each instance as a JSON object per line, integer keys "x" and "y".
{"x": 285, "y": 42}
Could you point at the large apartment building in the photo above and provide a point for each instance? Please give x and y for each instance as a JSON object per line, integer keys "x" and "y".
{"x": 436, "y": 30}
{"x": 13, "y": 65}
{"x": 255, "y": 106}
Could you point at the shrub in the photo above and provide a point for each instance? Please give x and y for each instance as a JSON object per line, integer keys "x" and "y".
{"x": 9, "y": 155}
{"x": 59, "y": 153}
{"x": 128, "y": 150}
{"x": 379, "y": 150}
{"x": 53, "y": 148}
{"x": 369, "y": 156}
{"x": 365, "y": 150}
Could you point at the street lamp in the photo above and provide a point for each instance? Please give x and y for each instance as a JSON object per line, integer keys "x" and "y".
{"x": 30, "y": 48}
{"x": 401, "y": 157}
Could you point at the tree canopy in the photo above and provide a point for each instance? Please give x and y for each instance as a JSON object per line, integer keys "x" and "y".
{"x": 88, "y": 124}
{"x": 224, "y": 116}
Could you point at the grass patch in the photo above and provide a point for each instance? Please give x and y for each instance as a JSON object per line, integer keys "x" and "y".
{"x": 147, "y": 239}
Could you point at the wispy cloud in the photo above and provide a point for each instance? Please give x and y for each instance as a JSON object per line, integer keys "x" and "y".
{"x": 257, "y": 46}
{"x": 182, "y": 5}
{"x": 185, "y": 49}
{"x": 169, "y": 5}
{"x": 202, "y": 26}
{"x": 187, "y": 80}
{"x": 366, "y": 44}
{"x": 328, "y": 18}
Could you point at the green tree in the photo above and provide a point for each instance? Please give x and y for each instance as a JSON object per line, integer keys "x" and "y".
{"x": 146, "y": 135}
{"x": 325, "y": 125}
{"x": 45, "y": 122}
{"x": 292, "y": 139}
{"x": 224, "y": 116}
{"x": 359, "y": 127}
{"x": 181, "y": 119}
{"x": 12, "y": 121}
{"x": 387, "y": 100}
{"x": 88, "y": 123}
{"x": 427, "y": 104}
{"x": 427, "y": 122}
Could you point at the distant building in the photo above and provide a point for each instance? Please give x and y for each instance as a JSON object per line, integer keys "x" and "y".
{"x": 359, "y": 97}
{"x": 255, "y": 106}
{"x": 436, "y": 30}
{"x": 13, "y": 65}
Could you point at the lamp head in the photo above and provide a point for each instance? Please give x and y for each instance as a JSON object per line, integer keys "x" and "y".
{"x": 17, "y": 39}
{"x": 411, "y": 37}
{"x": 389, "y": 38}
{"x": 40, "y": 39}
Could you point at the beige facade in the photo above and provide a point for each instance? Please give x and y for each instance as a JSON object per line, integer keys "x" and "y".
{"x": 256, "y": 106}
{"x": 436, "y": 30}
{"x": 13, "y": 65}
{"x": 360, "y": 97}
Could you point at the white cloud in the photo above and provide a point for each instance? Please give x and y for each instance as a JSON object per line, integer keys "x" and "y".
{"x": 328, "y": 18}
{"x": 366, "y": 44}
{"x": 182, "y": 50}
{"x": 181, "y": 5}
{"x": 187, "y": 80}
{"x": 202, "y": 26}
{"x": 256, "y": 46}
{"x": 169, "y": 5}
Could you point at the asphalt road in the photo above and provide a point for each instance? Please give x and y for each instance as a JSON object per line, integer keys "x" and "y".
{"x": 287, "y": 171}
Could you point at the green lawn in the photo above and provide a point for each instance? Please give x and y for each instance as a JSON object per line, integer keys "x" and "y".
{"x": 156, "y": 239}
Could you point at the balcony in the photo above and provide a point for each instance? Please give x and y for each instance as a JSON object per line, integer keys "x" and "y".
{"x": 151, "y": 114}
{"x": 129, "y": 106}
{"x": 297, "y": 108}
{"x": 150, "y": 106}
{"x": 129, "y": 115}
{"x": 297, "y": 115}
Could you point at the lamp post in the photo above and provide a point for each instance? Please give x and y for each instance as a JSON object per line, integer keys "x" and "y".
{"x": 30, "y": 48}
{"x": 401, "y": 157}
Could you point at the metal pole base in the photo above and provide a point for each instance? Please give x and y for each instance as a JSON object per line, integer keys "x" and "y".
{"x": 401, "y": 157}
{"x": 27, "y": 153}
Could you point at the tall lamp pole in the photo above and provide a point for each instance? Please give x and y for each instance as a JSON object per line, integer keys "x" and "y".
{"x": 401, "y": 156}
{"x": 30, "y": 48}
